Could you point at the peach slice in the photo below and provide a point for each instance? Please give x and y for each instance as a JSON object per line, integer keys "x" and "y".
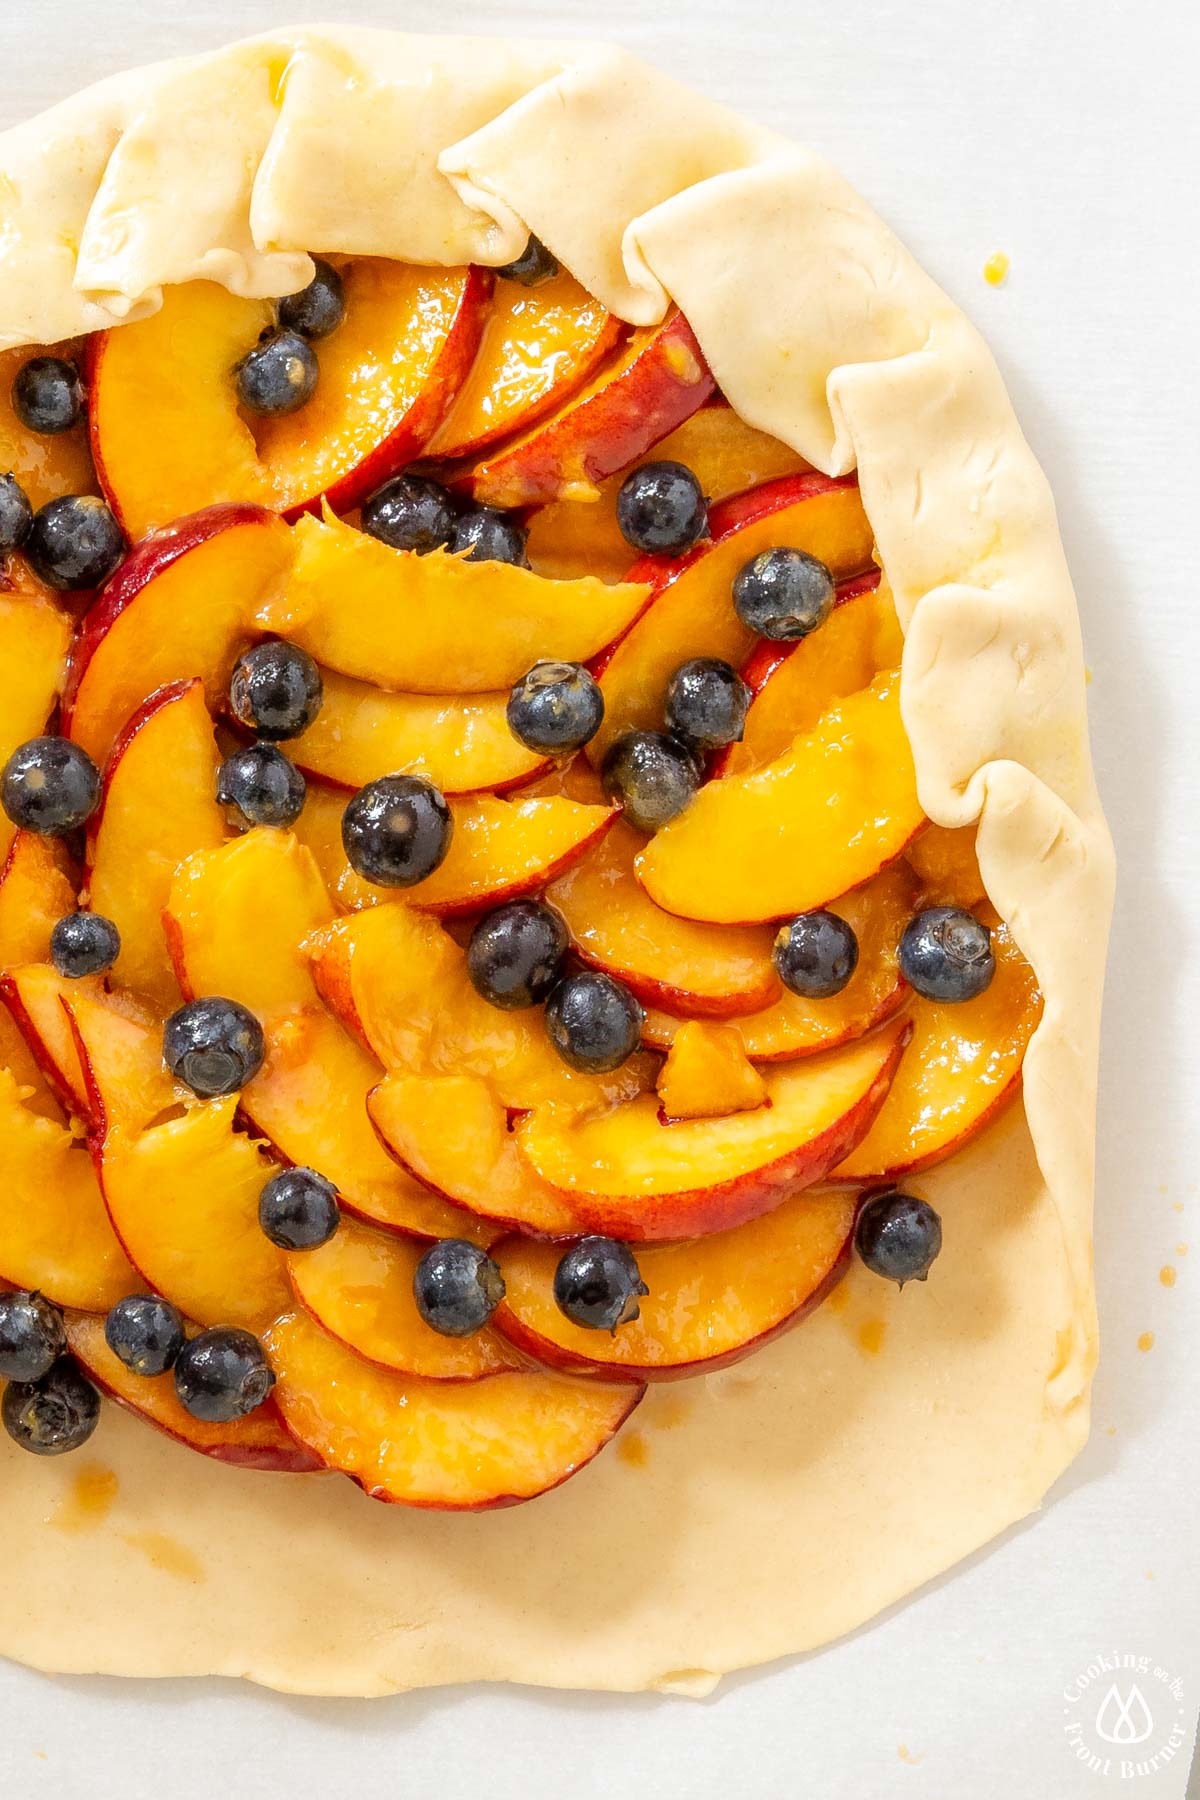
{"x": 40, "y": 1095}
{"x": 49, "y": 1010}
{"x": 399, "y": 980}
{"x": 703, "y": 970}
{"x": 55, "y": 1233}
{"x": 707, "y": 1074}
{"x": 35, "y": 637}
{"x": 450, "y": 1445}
{"x": 453, "y": 1134}
{"x": 309, "y": 1098}
{"x": 34, "y": 994}
{"x": 580, "y": 536}
{"x": 159, "y": 807}
{"x": 655, "y": 380}
{"x": 167, "y": 435}
{"x": 461, "y": 742}
{"x": 711, "y": 1302}
{"x": 691, "y": 612}
{"x": 628, "y": 1174}
{"x": 178, "y": 608}
{"x": 359, "y": 1286}
{"x": 45, "y": 466}
{"x": 945, "y": 864}
{"x": 258, "y": 1441}
{"x": 963, "y": 1064}
{"x": 792, "y": 1026}
{"x": 500, "y": 849}
{"x": 822, "y": 818}
{"x": 538, "y": 346}
{"x": 436, "y": 624}
{"x": 35, "y": 892}
{"x": 794, "y": 683}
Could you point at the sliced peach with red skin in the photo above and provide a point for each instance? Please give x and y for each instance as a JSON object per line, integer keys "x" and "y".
{"x": 309, "y": 1098}
{"x": 259, "y": 1441}
{"x": 961, "y": 1068}
{"x": 538, "y": 346}
{"x": 40, "y": 1096}
{"x": 711, "y": 1302}
{"x": 793, "y": 683}
{"x": 34, "y": 995}
{"x": 448, "y": 1445}
{"x": 651, "y": 385}
{"x": 168, "y": 436}
{"x": 627, "y": 1174}
{"x": 35, "y": 638}
{"x": 35, "y": 893}
{"x": 793, "y": 1026}
{"x": 359, "y": 1286}
{"x": 48, "y": 1007}
{"x": 707, "y": 1074}
{"x": 821, "y": 819}
{"x": 438, "y": 623}
{"x": 55, "y": 1233}
{"x": 499, "y": 850}
{"x": 45, "y": 465}
{"x": 945, "y": 863}
{"x": 691, "y": 612}
{"x": 580, "y": 535}
{"x": 705, "y": 971}
{"x": 159, "y": 806}
{"x": 179, "y": 607}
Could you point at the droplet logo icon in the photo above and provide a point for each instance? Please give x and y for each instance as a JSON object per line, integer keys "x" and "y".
{"x": 1124, "y": 1718}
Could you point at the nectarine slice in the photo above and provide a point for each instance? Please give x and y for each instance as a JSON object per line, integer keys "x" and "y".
{"x": 159, "y": 807}
{"x": 653, "y": 382}
{"x": 691, "y": 611}
{"x": 707, "y": 1074}
{"x": 946, "y": 866}
{"x": 822, "y": 818}
{"x": 119, "y": 1048}
{"x": 538, "y": 345}
{"x": 258, "y": 1441}
{"x": 55, "y": 1233}
{"x": 167, "y": 434}
{"x": 16, "y": 1056}
{"x": 499, "y": 850}
{"x": 34, "y": 994}
{"x": 46, "y": 466}
{"x": 35, "y": 637}
{"x": 35, "y": 893}
{"x": 359, "y": 1286}
{"x": 628, "y": 1174}
{"x": 963, "y": 1064}
{"x": 436, "y": 624}
{"x": 701, "y": 970}
{"x": 451, "y": 1445}
{"x": 178, "y": 608}
{"x": 711, "y": 1302}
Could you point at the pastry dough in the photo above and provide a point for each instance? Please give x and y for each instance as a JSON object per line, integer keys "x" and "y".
{"x": 775, "y": 1505}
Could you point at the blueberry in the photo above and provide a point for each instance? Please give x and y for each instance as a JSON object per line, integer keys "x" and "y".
{"x": 222, "y": 1374}
{"x": 298, "y": 1209}
{"x": 556, "y": 708}
{"x": 215, "y": 1046}
{"x": 661, "y": 509}
{"x": 52, "y": 1415}
{"x": 84, "y": 943}
{"x": 652, "y": 775}
{"x": 265, "y": 786}
{"x": 318, "y": 308}
{"x": 16, "y": 514}
{"x": 593, "y": 1021}
{"x": 74, "y": 542}
{"x": 276, "y": 690}
{"x": 50, "y": 786}
{"x": 397, "y": 830}
{"x": 279, "y": 375}
{"x": 898, "y": 1236}
{"x": 815, "y": 955}
{"x": 706, "y": 703}
{"x": 946, "y": 954}
{"x": 410, "y": 513}
{"x": 598, "y": 1284}
{"x": 146, "y": 1333}
{"x": 783, "y": 594}
{"x": 47, "y": 395}
{"x": 490, "y": 536}
{"x": 516, "y": 953}
{"x": 32, "y": 1337}
{"x": 457, "y": 1287}
{"x": 534, "y": 265}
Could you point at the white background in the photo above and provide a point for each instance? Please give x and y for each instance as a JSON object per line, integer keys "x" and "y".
{"x": 1066, "y": 133}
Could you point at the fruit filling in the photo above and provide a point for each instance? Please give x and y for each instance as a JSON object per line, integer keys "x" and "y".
{"x": 470, "y": 943}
